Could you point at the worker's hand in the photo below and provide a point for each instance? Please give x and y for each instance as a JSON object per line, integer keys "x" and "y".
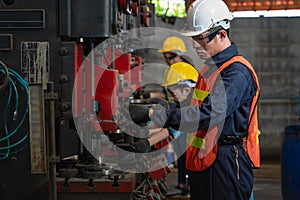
{"x": 164, "y": 103}
{"x": 159, "y": 120}
{"x": 127, "y": 125}
{"x": 139, "y": 113}
{"x": 142, "y": 146}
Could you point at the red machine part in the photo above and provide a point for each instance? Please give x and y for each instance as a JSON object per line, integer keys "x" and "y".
{"x": 144, "y": 19}
{"x": 131, "y": 7}
{"x": 145, "y": 14}
{"x": 106, "y": 94}
{"x": 125, "y": 6}
{"x": 123, "y": 65}
{"x": 111, "y": 84}
{"x": 135, "y": 9}
{"x": 100, "y": 185}
{"x": 130, "y": 67}
{"x": 136, "y": 74}
{"x": 107, "y": 97}
{"x": 160, "y": 173}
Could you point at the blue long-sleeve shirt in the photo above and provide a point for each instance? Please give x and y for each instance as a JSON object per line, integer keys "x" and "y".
{"x": 227, "y": 106}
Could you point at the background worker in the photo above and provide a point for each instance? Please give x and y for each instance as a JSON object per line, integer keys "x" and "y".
{"x": 174, "y": 51}
{"x": 223, "y": 111}
{"x": 180, "y": 80}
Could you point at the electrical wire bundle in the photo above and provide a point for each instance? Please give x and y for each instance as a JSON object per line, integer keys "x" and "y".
{"x": 12, "y": 138}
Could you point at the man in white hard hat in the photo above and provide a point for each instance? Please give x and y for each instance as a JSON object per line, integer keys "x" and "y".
{"x": 223, "y": 111}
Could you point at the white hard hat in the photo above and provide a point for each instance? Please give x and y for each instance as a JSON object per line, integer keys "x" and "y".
{"x": 206, "y": 14}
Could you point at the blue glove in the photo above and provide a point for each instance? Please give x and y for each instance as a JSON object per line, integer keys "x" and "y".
{"x": 175, "y": 134}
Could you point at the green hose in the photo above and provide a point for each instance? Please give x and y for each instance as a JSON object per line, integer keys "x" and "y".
{"x": 12, "y": 145}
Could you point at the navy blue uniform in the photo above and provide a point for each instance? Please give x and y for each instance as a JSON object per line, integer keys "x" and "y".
{"x": 228, "y": 107}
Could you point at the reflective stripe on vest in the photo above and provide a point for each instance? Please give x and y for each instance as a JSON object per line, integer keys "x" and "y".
{"x": 202, "y": 149}
{"x": 200, "y": 95}
{"x": 196, "y": 142}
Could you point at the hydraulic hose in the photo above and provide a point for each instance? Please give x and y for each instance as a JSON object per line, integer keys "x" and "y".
{"x": 14, "y": 139}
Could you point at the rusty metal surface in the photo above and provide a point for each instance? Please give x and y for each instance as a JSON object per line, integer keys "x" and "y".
{"x": 37, "y": 129}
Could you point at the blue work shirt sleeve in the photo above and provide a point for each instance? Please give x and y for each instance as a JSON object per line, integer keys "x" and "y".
{"x": 231, "y": 94}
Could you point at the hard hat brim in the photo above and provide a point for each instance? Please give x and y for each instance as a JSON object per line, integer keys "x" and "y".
{"x": 190, "y": 33}
{"x": 162, "y": 51}
{"x": 166, "y": 84}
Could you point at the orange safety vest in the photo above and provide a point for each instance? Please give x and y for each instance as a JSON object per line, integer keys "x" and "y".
{"x": 202, "y": 145}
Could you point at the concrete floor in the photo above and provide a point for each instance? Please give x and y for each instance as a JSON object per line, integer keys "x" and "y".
{"x": 267, "y": 182}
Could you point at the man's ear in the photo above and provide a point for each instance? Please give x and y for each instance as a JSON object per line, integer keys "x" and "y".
{"x": 223, "y": 34}
{"x": 187, "y": 90}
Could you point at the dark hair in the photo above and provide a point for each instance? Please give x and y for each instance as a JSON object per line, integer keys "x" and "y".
{"x": 221, "y": 28}
{"x": 172, "y": 56}
{"x": 227, "y": 30}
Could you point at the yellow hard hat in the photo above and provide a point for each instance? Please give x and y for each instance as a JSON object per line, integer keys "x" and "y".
{"x": 173, "y": 44}
{"x": 179, "y": 72}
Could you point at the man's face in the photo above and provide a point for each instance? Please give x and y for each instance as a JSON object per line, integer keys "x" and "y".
{"x": 206, "y": 44}
{"x": 171, "y": 58}
{"x": 179, "y": 93}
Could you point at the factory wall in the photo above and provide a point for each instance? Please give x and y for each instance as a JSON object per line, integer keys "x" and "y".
{"x": 272, "y": 45}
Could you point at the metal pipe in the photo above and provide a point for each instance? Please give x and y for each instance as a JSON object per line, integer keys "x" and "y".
{"x": 92, "y": 78}
{"x": 52, "y": 145}
{"x": 274, "y": 101}
{"x": 83, "y": 90}
{"x": 280, "y": 97}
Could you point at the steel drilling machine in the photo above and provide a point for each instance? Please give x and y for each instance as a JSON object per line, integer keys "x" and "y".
{"x": 59, "y": 89}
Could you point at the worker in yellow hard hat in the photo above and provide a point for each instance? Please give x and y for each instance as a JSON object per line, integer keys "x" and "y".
{"x": 174, "y": 50}
{"x": 180, "y": 80}
{"x": 179, "y": 76}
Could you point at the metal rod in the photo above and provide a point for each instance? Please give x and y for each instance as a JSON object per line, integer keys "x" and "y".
{"x": 274, "y": 101}
{"x": 52, "y": 147}
{"x": 280, "y": 97}
{"x": 92, "y": 78}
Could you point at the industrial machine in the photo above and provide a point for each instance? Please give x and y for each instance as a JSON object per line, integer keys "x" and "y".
{"x": 60, "y": 92}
